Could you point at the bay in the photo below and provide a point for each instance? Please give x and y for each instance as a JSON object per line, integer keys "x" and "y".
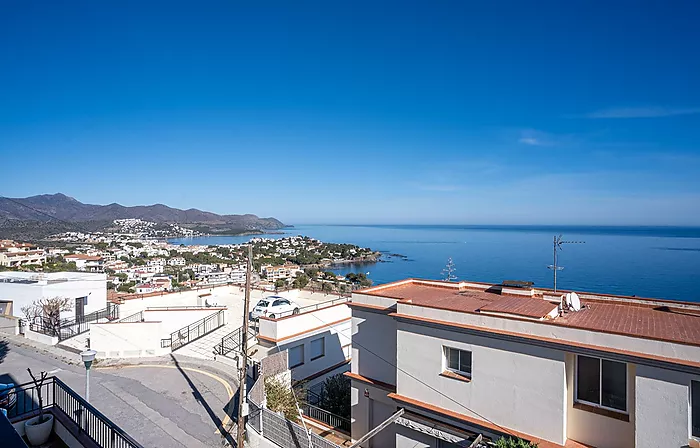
{"x": 661, "y": 262}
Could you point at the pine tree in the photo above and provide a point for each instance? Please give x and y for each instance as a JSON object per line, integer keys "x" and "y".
{"x": 448, "y": 273}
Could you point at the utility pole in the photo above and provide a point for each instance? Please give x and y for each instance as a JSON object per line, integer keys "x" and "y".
{"x": 244, "y": 353}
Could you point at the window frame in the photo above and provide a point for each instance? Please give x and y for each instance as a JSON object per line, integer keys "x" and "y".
{"x": 600, "y": 385}
{"x": 323, "y": 348}
{"x": 303, "y": 355}
{"x": 690, "y": 405}
{"x": 446, "y": 361}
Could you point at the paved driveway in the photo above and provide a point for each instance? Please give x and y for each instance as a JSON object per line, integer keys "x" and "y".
{"x": 180, "y": 404}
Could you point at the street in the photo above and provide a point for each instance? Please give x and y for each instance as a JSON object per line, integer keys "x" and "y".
{"x": 161, "y": 403}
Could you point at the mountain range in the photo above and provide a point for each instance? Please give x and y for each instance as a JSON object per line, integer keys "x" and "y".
{"x": 58, "y": 210}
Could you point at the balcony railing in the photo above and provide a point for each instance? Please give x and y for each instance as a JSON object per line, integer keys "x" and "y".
{"x": 315, "y": 307}
{"x": 196, "y": 330}
{"x": 77, "y": 415}
{"x": 334, "y": 421}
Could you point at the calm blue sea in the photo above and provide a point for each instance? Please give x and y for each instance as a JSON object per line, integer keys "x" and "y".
{"x": 662, "y": 262}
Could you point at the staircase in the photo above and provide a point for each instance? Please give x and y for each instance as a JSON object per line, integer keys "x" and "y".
{"x": 202, "y": 348}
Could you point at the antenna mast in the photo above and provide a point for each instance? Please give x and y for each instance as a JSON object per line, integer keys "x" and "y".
{"x": 557, "y": 246}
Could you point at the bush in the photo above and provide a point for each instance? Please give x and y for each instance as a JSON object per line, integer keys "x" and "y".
{"x": 281, "y": 399}
{"x": 509, "y": 442}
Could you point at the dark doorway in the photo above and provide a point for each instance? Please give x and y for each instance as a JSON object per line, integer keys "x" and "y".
{"x": 80, "y": 309}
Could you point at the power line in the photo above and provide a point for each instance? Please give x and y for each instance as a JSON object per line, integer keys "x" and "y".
{"x": 74, "y": 224}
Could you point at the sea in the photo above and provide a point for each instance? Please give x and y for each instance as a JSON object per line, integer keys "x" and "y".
{"x": 659, "y": 262}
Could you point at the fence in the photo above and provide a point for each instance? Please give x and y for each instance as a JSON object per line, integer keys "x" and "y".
{"x": 288, "y": 434}
{"x": 232, "y": 341}
{"x": 87, "y": 420}
{"x": 196, "y": 330}
{"x": 325, "y": 417}
{"x": 136, "y": 317}
{"x": 67, "y": 328}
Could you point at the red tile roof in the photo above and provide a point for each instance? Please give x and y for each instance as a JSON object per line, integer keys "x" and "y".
{"x": 520, "y": 306}
{"x": 677, "y": 322}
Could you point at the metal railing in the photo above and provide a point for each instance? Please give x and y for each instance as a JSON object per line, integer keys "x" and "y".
{"x": 67, "y": 328}
{"x": 196, "y": 330}
{"x": 232, "y": 341}
{"x": 178, "y": 307}
{"x": 136, "y": 317}
{"x": 309, "y": 308}
{"x": 325, "y": 417}
{"x": 87, "y": 420}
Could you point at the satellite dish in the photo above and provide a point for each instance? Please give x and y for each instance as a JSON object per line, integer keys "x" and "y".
{"x": 575, "y": 302}
{"x": 568, "y": 299}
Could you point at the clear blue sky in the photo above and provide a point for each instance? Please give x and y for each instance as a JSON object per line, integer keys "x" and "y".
{"x": 577, "y": 112}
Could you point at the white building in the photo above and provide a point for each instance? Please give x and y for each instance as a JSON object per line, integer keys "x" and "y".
{"x": 145, "y": 288}
{"x": 89, "y": 263}
{"x": 318, "y": 341}
{"x": 177, "y": 261}
{"x": 238, "y": 275}
{"x": 282, "y": 272}
{"x": 19, "y": 289}
{"x": 13, "y": 254}
{"x": 469, "y": 358}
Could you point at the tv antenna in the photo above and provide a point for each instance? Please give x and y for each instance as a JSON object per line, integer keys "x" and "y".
{"x": 558, "y": 246}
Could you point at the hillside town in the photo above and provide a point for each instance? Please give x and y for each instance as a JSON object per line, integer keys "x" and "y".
{"x": 136, "y": 263}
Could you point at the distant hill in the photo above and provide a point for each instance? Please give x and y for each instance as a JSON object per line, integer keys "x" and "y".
{"x": 38, "y": 211}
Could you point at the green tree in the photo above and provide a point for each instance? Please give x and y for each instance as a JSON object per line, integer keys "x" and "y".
{"x": 101, "y": 246}
{"x": 122, "y": 276}
{"x": 281, "y": 399}
{"x": 280, "y": 283}
{"x": 336, "y": 395}
{"x": 110, "y": 285}
{"x": 327, "y": 287}
{"x": 311, "y": 272}
{"x": 137, "y": 245}
{"x": 300, "y": 281}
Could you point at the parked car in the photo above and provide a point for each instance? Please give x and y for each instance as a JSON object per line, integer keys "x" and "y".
{"x": 8, "y": 397}
{"x": 274, "y": 306}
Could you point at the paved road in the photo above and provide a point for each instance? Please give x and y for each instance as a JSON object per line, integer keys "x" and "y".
{"x": 176, "y": 405}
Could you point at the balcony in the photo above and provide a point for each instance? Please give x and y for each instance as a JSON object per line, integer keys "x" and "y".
{"x": 76, "y": 422}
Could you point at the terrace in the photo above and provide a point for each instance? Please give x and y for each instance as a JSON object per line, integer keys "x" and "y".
{"x": 76, "y": 423}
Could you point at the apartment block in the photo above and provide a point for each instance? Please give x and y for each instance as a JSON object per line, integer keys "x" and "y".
{"x": 467, "y": 359}
{"x": 13, "y": 254}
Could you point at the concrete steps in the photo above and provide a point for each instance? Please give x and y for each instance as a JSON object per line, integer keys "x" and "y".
{"x": 203, "y": 348}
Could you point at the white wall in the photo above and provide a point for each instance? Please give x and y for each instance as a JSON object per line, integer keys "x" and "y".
{"x": 511, "y": 382}
{"x": 561, "y": 332}
{"x": 173, "y": 320}
{"x": 287, "y": 327}
{"x": 127, "y": 340}
{"x": 336, "y": 340}
{"x": 39, "y": 337}
{"x": 9, "y": 325}
{"x": 360, "y": 422}
{"x": 662, "y": 408}
{"x": 377, "y": 332}
{"x": 94, "y": 286}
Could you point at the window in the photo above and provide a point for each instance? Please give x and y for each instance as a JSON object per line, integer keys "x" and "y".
{"x": 458, "y": 361}
{"x": 296, "y": 356}
{"x": 601, "y": 382}
{"x": 695, "y": 408}
{"x": 318, "y": 348}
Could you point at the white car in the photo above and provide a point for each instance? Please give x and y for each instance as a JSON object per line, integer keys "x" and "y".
{"x": 274, "y": 306}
